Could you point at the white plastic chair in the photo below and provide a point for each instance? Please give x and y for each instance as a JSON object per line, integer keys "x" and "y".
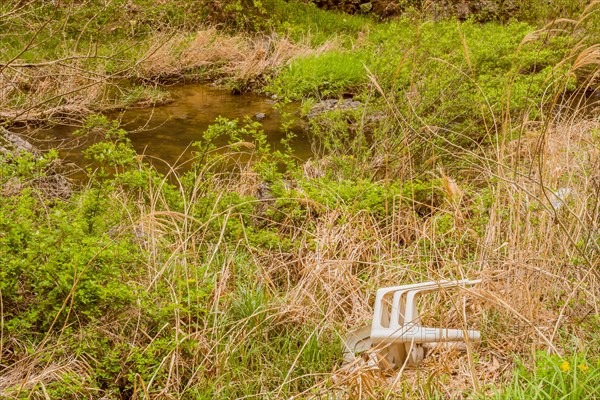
{"x": 396, "y": 328}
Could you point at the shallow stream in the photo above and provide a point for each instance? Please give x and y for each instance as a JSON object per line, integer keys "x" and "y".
{"x": 165, "y": 133}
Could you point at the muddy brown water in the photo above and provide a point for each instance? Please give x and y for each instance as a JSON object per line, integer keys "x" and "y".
{"x": 164, "y": 134}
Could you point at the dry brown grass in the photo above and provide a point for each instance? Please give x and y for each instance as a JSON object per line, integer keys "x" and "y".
{"x": 539, "y": 268}
{"x": 213, "y": 54}
{"x": 68, "y": 89}
{"x": 539, "y": 262}
{"x": 38, "y": 370}
{"x": 63, "y": 90}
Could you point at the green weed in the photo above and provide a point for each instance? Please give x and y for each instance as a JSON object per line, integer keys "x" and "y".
{"x": 328, "y": 75}
{"x": 573, "y": 377}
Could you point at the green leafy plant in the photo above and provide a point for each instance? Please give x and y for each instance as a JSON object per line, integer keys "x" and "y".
{"x": 554, "y": 377}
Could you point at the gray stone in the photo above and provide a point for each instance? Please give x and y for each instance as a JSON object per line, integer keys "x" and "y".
{"x": 15, "y": 143}
{"x": 333, "y": 104}
{"x": 463, "y": 10}
{"x": 263, "y": 191}
{"x": 53, "y": 184}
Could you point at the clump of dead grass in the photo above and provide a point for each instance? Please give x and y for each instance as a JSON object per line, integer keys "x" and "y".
{"x": 211, "y": 54}
{"x": 49, "y": 92}
{"x": 38, "y": 369}
{"x": 69, "y": 88}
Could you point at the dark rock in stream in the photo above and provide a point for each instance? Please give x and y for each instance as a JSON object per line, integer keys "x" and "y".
{"x": 52, "y": 184}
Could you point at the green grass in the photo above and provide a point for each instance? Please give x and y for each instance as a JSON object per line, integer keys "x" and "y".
{"x": 301, "y": 20}
{"x": 194, "y": 285}
{"x": 574, "y": 377}
{"x": 460, "y": 77}
{"x": 430, "y": 56}
{"x": 327, "y": 75}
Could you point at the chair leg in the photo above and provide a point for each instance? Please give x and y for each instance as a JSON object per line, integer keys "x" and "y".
{"x": 393, "y": 356}
{"x": 415, "y": 353}
{"x": 357, "y": 341}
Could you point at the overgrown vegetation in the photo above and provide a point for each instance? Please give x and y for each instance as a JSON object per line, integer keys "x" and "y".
{"x": 64, "y": 61}
{"x": 469, "y": 151}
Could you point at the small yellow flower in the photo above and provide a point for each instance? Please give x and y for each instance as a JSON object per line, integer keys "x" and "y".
{"x": 191, "y": 280}
{"x": 565, "y": 366}
{"x": 583, "y": 367}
